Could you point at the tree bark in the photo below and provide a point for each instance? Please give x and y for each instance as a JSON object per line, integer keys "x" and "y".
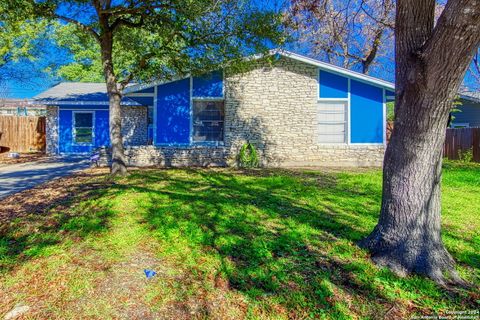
{"x": 115, "y": 96}
{"x": 430, "y": 64}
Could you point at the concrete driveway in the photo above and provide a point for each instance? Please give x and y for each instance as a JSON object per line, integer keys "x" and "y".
{"x": 18, "y": 177}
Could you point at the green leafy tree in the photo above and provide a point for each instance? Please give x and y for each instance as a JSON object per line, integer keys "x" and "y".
{"x": 20, "y": 38}
{"x": 143, "y": 40}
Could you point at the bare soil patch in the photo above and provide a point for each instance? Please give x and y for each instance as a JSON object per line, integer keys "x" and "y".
{"x": 24, "y": 158}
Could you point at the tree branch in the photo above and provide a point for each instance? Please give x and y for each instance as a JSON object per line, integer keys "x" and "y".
{"x": 79, "y": 25}
{"x": 123, "y": 22}
{"x": 456, "y": 37}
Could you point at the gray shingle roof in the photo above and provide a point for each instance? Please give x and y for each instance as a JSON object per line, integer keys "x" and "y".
{"x": 77, "y": 93}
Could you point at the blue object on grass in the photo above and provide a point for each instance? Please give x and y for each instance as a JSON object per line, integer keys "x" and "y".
{"x": 149, "y": 273}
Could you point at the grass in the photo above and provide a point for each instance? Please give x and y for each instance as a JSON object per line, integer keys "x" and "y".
{"x": 260, "y": 244}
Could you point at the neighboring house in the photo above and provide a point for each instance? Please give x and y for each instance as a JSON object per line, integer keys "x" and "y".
{"x": 297, "y": 112}
{"x": 469, "y": 114}
{"x": 21, "y": 107}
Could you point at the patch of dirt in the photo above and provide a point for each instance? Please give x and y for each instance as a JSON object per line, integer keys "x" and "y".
{"x": 24, "y": 158}
{"x": 125, "y": 286}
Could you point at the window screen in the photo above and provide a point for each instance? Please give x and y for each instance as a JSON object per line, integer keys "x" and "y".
{"x": 208, "y": 117}
{"x": 83, "y": 130}
{"x": 332, "y": 121}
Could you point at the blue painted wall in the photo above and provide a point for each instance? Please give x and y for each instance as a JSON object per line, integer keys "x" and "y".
{"x": 173, "y": 113}
{"x": 65, "y": 140}
{"x": 389, "y": 94}
{"x": 102, "y": 134}
{"x": 366, "y": 113}
{"x": 209, "y": 85}
{"x": 333, "y": 85}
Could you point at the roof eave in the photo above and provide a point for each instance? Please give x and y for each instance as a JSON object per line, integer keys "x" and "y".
{"x": 339, "y": 70}
{"x": 82, "y": 103}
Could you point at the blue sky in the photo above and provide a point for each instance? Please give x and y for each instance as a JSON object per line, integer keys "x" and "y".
{"x": 49, "y": 57}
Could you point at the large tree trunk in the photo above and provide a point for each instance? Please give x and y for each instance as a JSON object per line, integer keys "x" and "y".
{"x": 430, "y": 64}
{"x": 115, "y": 97}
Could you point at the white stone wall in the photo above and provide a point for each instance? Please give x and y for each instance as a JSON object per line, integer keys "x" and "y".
{"x": 144, "y": 156}
{"x": 134, "y": 125}
{"x": 275, "y": 108}
{"x": 52, "y": 130}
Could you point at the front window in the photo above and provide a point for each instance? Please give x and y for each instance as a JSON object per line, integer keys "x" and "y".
{"x": 83, "y": 128}
{"x": 332, "y": 122}
{"x": 208, "y": 121}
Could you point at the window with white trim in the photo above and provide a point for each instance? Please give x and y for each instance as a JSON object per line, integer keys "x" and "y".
{"x": 332, "y": 121}
{"x": 208, "y": 120}
{"x": 83, "y": 128}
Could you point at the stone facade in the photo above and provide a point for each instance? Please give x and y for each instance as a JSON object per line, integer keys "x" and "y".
{"x": 196, "y": 156}
{"x": 135, "y": 125}
{"x": 275, "y": 108}
{"x": 52, "y": 130}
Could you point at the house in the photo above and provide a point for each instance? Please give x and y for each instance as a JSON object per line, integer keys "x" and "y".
{"x": 20, "y": 107}
{"x": 297, "y": 112}
{"x": 469, "y": 111}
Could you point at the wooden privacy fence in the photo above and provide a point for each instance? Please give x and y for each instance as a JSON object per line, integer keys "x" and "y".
{"x": 460, "y": 141}
{"x": 22, "y": 134}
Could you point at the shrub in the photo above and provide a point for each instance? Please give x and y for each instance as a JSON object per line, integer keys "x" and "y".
{"x": 248, "y": 157}
{"x": 465, "y": 155}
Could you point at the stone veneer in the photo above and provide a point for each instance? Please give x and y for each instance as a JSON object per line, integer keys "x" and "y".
{"x": 275, "y": 108}
{"x": 135, "y": 125}
{"x": 52, "y": 130}
{"x": 179, "y": 156}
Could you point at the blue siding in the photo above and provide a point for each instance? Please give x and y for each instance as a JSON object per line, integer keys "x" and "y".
{"x": 173, "y": 113}
{"x": 389, "y": 93}
{"x": 332, "y": 85}
{"x": 101, "y": 134}
{"x": 209, "y": 85}
{"x": 366, "y": 108}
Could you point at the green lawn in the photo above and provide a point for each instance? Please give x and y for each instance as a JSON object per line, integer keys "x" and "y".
{"x": 261, "y": 244}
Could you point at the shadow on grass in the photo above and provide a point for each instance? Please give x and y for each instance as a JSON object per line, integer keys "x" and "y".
{"x": 36, "y": 220}
{"x": 278, "y": 235}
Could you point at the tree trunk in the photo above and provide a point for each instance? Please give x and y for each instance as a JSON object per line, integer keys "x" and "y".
{"x": 115, "y": 96}
{"x": 407, "y": 238}
{"x": 430, "y": 64}
{"x": 118, "y": 154}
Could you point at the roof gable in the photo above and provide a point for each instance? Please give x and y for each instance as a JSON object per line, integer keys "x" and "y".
{"x": 321, "y": 65}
